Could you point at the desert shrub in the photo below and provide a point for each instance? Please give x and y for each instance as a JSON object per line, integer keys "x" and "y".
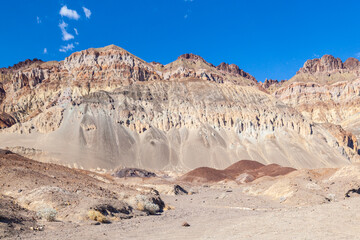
{"x": 97, "y": 216}
{"x": 143, "y": 203}
{"x": 48, "y": 213}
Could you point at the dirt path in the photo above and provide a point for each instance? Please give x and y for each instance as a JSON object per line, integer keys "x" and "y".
{"x": 220, "y": 214}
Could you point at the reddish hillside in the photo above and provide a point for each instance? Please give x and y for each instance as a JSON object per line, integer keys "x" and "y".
{"x": 204, "y": 174}
{"x": 251, "y": 168}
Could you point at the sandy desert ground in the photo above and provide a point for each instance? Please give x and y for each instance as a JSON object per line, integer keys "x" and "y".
{"x": 217, "y": 213}
{"x": 302, "y": 204}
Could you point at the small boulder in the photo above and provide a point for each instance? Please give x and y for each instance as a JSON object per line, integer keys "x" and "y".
{"x": 185, "y": 224}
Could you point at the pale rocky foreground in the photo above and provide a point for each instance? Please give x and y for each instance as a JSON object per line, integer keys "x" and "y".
{"x": 214, "y": 213}
{"x": 303, "y": 204}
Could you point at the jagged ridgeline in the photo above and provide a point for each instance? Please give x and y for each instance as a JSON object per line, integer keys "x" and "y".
{"x": 108, "y": 108}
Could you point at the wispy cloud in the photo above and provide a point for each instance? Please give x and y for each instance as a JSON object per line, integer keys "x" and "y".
{"x": 38, "y": 20}
{"x": 66, "y": 12}
{"x": 65, "y": 35}
{"x": 87, "y": 12}
{"x": 67, "y": 48}
{"x": 188, "y": 0}
{"x": 186, "y": 16}
{"x": 45, "y": 51}
{"x": 76, "y": 31}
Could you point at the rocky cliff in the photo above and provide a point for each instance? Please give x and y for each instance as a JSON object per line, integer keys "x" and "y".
{"x": 326, "y": 90}
{"x": 107, "y": 108}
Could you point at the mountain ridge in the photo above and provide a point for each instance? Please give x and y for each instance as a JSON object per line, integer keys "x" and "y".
{"x": 107, "y": 108}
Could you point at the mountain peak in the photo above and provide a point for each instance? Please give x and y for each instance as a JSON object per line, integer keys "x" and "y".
{"x": 326, "y": 63}
{"x": 22, "y": 64}
{"x": 352, "y": 63}
{"x": 110, "y": 47}
{"x": 191, "y": 56}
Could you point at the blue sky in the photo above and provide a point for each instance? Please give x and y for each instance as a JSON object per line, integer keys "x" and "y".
{"x": 268, "y": 39}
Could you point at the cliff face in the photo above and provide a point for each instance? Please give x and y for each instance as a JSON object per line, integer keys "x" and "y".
{"x": 325, "y": 64}
{"x": 272, "y": 85}
{"x": 107, "y": 108}
{"x": 326, "y": 90}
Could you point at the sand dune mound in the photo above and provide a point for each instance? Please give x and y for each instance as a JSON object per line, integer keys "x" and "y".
{"x": 204, "y": 174}
{"x": 244, "y": 165}
{"x": 272, "y": 170}
{"x": 242, "y": 171}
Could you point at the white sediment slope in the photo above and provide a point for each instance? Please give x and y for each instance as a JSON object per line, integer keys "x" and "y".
{"x": 185, "y": 125}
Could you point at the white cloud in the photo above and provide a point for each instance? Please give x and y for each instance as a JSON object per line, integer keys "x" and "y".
{"x": 357, "y": 55}
{"x": 66, "y": 12}
{"x": 186, "y": 16}
{"x": 76, "y": 31}
{"x": 45, "y": 50}
{"x": 87, "y": 12}
{"x": 38, "y": 20}
{"x": 67, "y": 48}
{"x": 188, "y": 0}
{"x": 65, "y": 35}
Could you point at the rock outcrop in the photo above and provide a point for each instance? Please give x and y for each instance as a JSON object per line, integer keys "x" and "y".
{"x": 325, "y": 64}
{"x": 234, "y": 69}
{"x": 272, "y": 85}
{"x": 326, "y": 90}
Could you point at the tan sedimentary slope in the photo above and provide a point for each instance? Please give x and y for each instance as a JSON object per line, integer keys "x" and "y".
{"x": 326, "y": 90}
{"x": 304, "y": 187}
{"x": 107, "y": 108}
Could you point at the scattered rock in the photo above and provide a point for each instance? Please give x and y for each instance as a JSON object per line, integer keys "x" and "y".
{"x": 349, "y": 193}
{"x": 185, "y": 224}
{"x": 133, "y": 172}
{"x": 330, "y": 197}
{"x": 178, "y": 190}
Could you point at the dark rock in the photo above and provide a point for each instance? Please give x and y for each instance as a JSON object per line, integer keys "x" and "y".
{"x": 185, "y": 224}
{"x": 178, "y": 190}
{"x": 133, "y": 172}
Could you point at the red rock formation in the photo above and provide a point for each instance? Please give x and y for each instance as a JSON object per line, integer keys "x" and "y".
{"x": 270, "y": 83}
{"x": 191, "y": 56}
{"x": 234, "y": 69}
{"x": 325, "y": 64}
{"x": 352, "y": 63}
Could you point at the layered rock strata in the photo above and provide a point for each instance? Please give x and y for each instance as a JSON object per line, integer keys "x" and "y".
{"x": 107, "y": 108}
